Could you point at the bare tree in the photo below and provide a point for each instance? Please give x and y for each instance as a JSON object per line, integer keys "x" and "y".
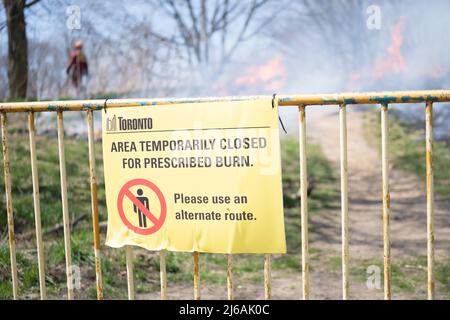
{"x": 17, "y": 46}
{"x": 209, "y": 32}
{"x": 3, "y": 75}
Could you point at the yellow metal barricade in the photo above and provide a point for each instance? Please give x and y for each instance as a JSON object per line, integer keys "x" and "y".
{"x": 428, "y": 98}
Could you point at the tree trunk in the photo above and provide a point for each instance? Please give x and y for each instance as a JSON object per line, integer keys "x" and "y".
{"x": 17, "y": 49}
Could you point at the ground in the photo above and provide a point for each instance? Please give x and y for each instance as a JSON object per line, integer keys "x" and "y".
{"x": 408, "y": 202}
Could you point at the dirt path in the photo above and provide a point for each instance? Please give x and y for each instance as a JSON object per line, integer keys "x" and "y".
{"x": 408, "y": 201}
{"x": 408, "y": 220}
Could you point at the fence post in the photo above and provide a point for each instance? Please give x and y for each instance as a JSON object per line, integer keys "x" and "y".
{"x": 94, "y": 204}
{"x": 304, "y": 202}
{"x": 267, "y": 277}
{"x": 163, "y": 274}
{"x": 9, "y": 208}
{"x": 37, "y": 206}
{"x": 344, "y": 200}
{"x": 430, "y": 198}
{"x": 386, "y": 201}
{"x": 196, "y": 275}
{"x": 130, "y": 273}
{"x": 230, "y": 291}
{"x": 65, "y": 206}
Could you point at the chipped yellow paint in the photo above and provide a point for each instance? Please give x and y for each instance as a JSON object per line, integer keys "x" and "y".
{"x": 9, "y": 208}
{"x": 130, "y": 272}
{"x": 267, "y": 277}
{"x": 94, "y": 204}
{"x": 430, "y": 199}
{"x": 65, "y": 206}
{"x": 304, "y": 204}
{"x": 196, "y": 275}
{"x": 302, "y": 113}
{"x": 163, "y": 274}
{"x": 344, "y": 200}
{"x": 230, "y": 292}
{"x": 37, "y": 206}
{"x": 386, "y": 202}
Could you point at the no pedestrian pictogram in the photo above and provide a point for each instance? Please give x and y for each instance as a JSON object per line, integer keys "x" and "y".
{"x": 141, "y": 206}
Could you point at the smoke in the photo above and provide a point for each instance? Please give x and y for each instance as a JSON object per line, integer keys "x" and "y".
{"x": 330, "y": 48}
{"x": 333, "y": 48}
{"x": 309, "y": 46}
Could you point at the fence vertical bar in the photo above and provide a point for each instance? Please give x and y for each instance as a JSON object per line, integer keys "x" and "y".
{"x": 94, "y": 204}
{"x": 230, "y": 290}
{"x": 430, "y": 198}
{"x": 344, "y": 200}
{"x": 163, "y": 274}
{"x": 196, "y": 276}
{"x": 9, "y": 208}
{"x": 37, "y": 206}
{"x": 267, "y": 277}
{"x": 130, "y": 273}
{"x": 304, "y": 202}
{"x": 386, "y": 201}
{"x": 65, "y": 206}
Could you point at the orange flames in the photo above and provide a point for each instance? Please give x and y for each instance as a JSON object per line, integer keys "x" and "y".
{"x": 270, "y": 76}
{"x": 395, "y": 61}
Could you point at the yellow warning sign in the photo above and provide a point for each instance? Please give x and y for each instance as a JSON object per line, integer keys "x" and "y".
{"x": 194, "y": 177}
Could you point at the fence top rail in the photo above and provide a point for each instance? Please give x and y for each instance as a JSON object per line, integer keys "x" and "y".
{"x": 386, "y": 97}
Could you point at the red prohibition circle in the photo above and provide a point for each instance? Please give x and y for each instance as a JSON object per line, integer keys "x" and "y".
{"x": 125, "y": 192}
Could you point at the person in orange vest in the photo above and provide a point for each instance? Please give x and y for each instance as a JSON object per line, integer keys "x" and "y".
{"x": 78, "y": 66}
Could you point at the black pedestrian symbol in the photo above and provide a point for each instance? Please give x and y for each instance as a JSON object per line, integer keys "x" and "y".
{"x": 145, "y": 203}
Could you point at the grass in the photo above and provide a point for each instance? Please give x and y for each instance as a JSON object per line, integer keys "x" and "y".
{"x": 248, "y": 268}
{"x": 320, "y": 173}
{"x": 409, "y": 275}
{"x": 407, "y": 150}
{"x": 407, "y": 153}
{"x": 77, "y": 167}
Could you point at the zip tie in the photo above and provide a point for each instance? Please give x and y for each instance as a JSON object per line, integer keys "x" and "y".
{"x": 274, "y": 101}
{"x": 104, "y": 105}
{"x": 275, "y": 105}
